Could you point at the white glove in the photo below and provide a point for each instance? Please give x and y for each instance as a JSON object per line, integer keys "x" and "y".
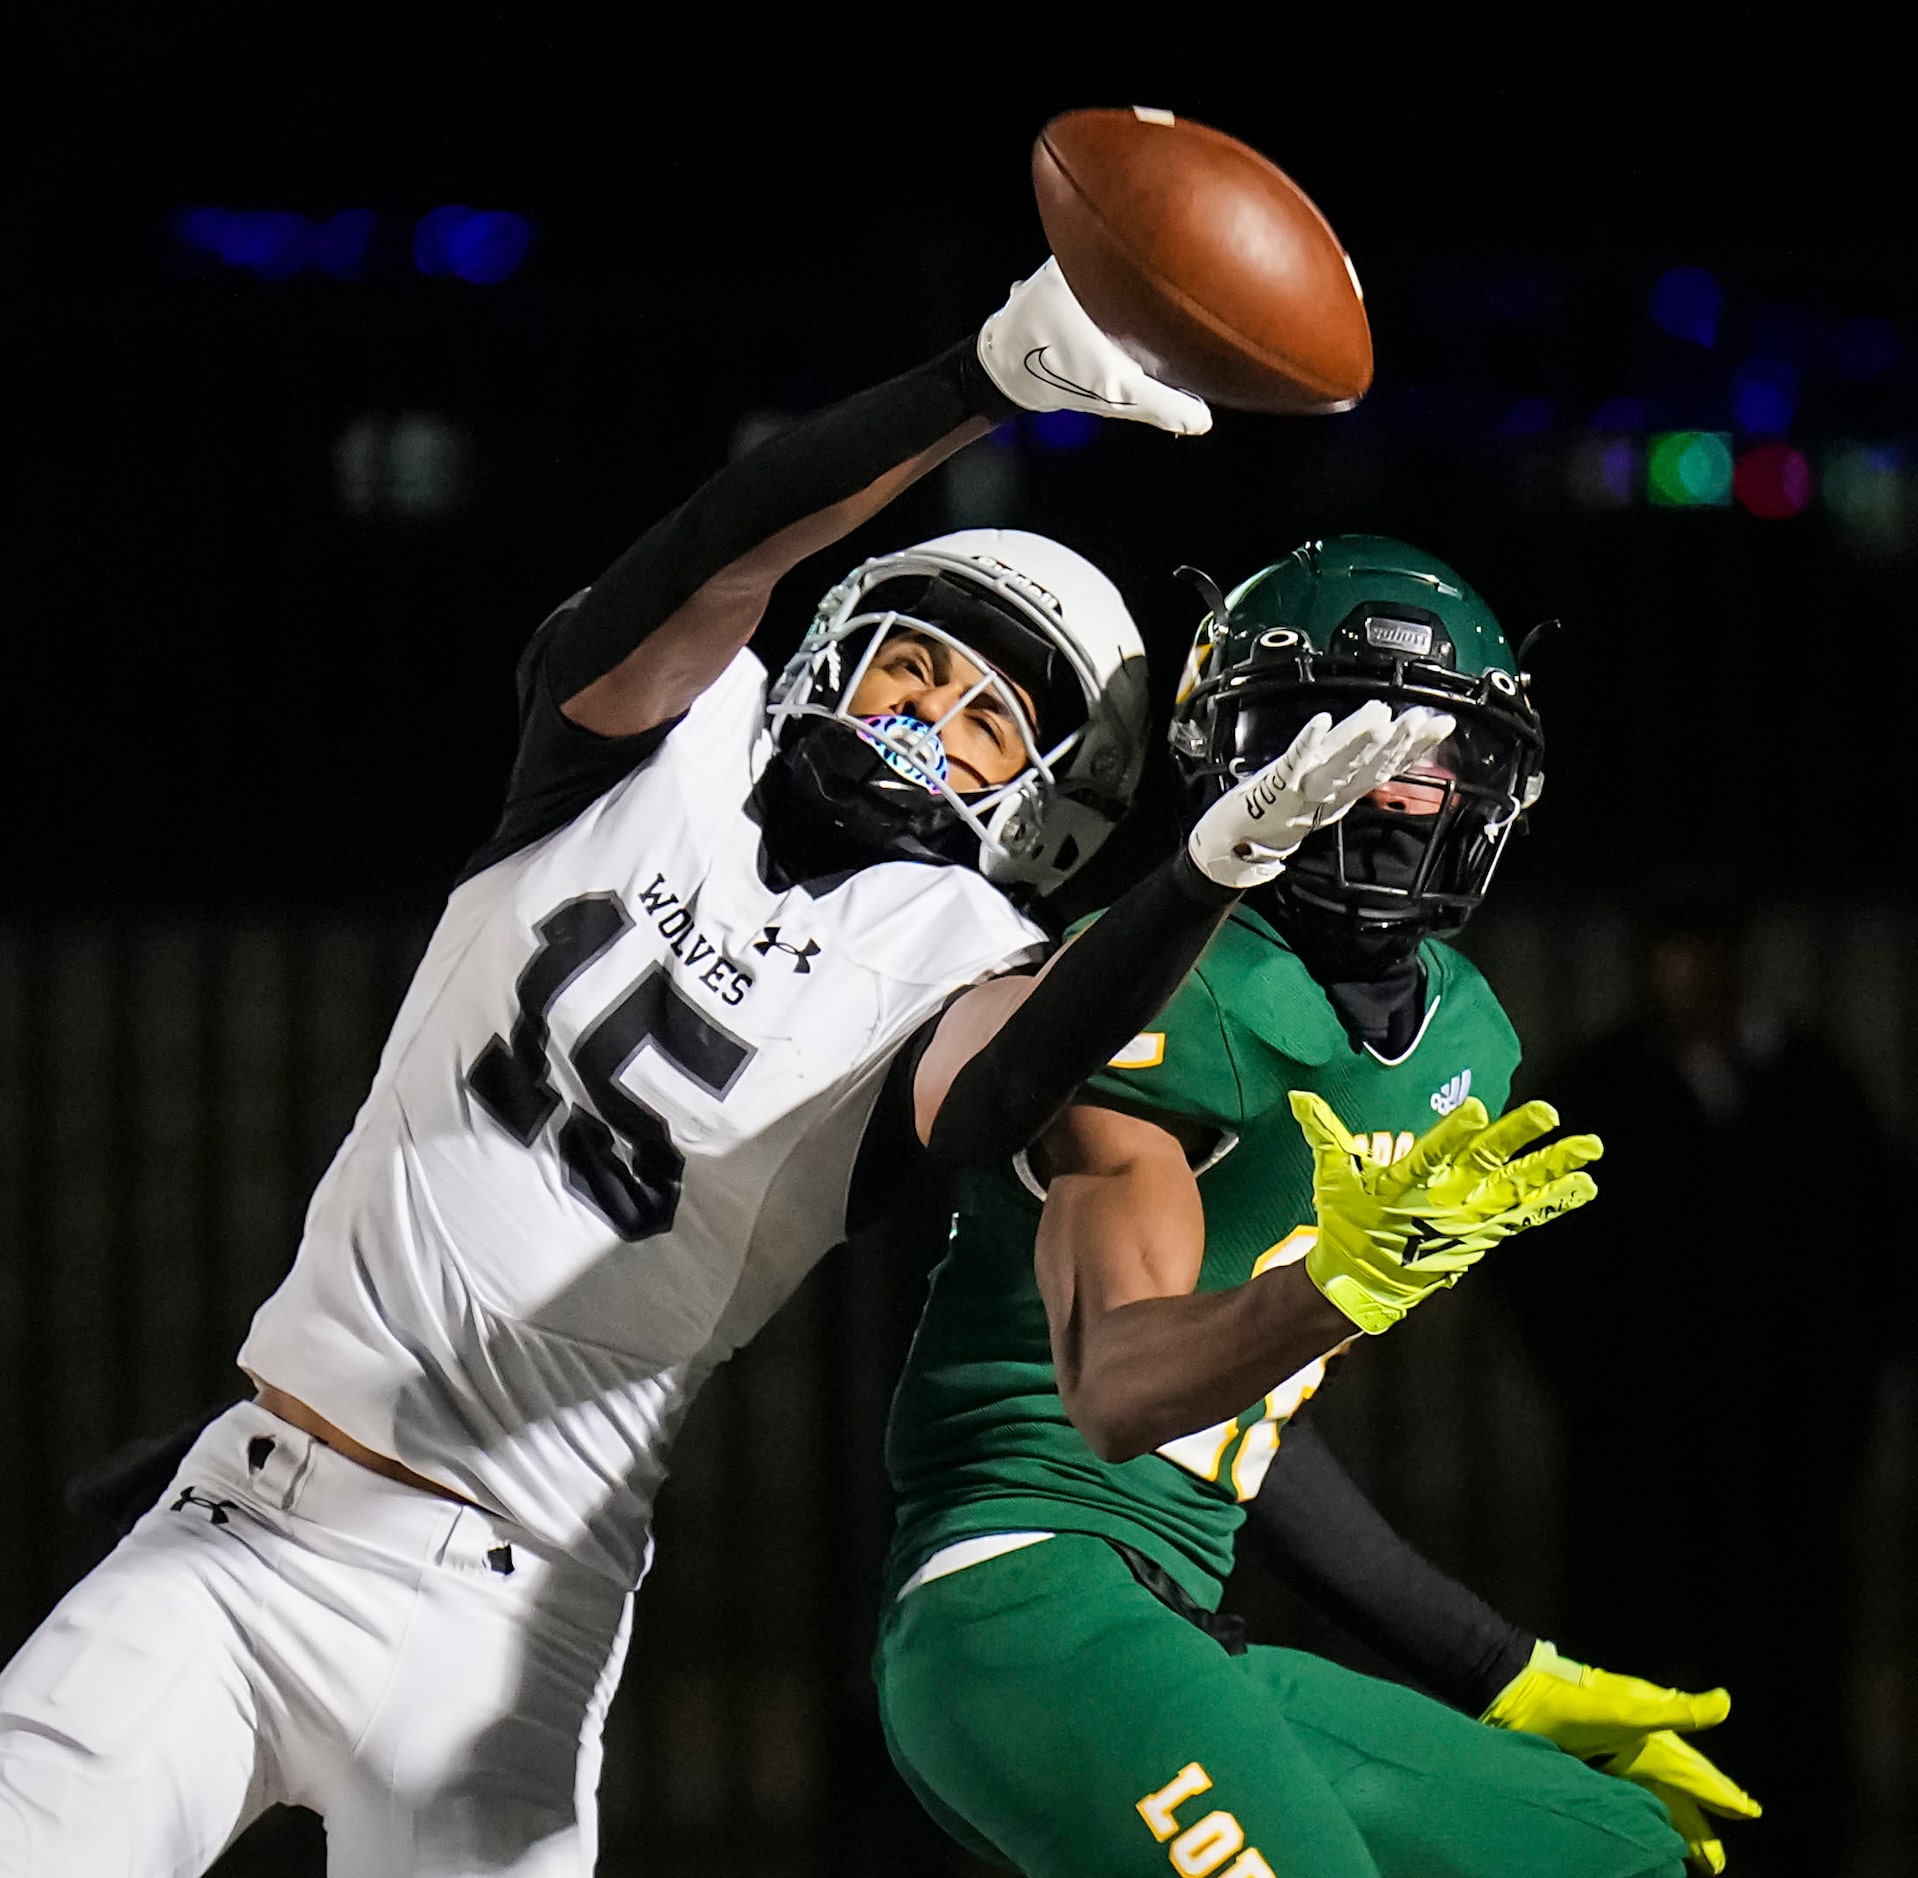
{"x": 1043, "y": 351}
{"x": 1243, "y": 839}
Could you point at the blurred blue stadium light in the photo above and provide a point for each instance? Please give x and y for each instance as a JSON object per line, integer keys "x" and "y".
{"x": 1686, "y": 302}
{"x": 478, "y": 245}
{"x": 276, "y": 244}
{"x": 340, "y": 244}
{"x": 272, "y": 243}
{"x": 1764, "y": 397}
{"x": 1063, "y": 430}
{"x": 1619, "y": 469}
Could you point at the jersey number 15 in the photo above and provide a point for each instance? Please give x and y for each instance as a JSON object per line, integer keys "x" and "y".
{"x": 618, "y": 1154}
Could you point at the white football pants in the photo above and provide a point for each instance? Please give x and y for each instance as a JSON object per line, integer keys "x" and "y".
{"x": 287, "y": 1626}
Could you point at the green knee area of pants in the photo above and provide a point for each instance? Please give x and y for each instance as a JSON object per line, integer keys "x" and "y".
{"x": 1049, "y": 1710}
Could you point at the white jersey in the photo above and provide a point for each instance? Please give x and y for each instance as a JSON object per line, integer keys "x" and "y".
{"x": 613, "y": 1128}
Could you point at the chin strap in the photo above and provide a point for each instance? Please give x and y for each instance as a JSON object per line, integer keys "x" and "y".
{"x": 819, "y": 807}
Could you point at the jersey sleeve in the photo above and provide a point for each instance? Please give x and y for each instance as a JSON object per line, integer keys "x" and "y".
{"x": 560, "y": 767}
{"x": 1182, "y": 1066}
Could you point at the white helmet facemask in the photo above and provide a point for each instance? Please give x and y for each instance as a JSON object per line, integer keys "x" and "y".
{"x": 1081, "y": 666}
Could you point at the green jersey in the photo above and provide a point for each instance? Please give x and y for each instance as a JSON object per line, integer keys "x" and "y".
{"x": 979, "y": 1441}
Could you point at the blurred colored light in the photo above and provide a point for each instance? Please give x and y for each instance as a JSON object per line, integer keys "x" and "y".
{"x": 1604, "y": 472}
{"x": 1619, "y": 468}
{"x": 272, "y": 243}
{"x": 340, "y": 243}
{"x": 1865, "y": 486}
{"x": 1627, "y": 413}
{"x": 1764, "y": 397}
{"x": 431, "y": 233}
{"x": 410, "y": 466}
{"x": 200, "y": 228}
{"x": 1529, "y": 417}
{"x": 1773, "y": 481}
{"x": 1863, "y": 349}
{"x": 1063, "y": 430}
{"x": 482, "y": 246}
{"x": 489, "y": 247}
{"x": 1689, "y": 469}
{"x": 1686, "y": 302}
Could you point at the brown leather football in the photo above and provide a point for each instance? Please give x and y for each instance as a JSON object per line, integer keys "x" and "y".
{"x": 1208, "y": 263}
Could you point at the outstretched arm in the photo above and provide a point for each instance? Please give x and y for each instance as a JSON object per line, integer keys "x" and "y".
{"x": 614, "y": 669}
{"x": 1010, "y": 1054}
{"x": 666, "y": 618}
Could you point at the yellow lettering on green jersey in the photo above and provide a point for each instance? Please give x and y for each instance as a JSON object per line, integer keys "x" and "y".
{"x": 1145, "y": 1051}
{"x": 1382, "y": 1147}
{"x": 1204, "y": 1454}
{"x": 1156, "y": 1808}
{"x": 1201, "y": 1848}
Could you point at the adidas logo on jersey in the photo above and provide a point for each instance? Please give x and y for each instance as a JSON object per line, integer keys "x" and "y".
{"x": 1455, "y": 1091}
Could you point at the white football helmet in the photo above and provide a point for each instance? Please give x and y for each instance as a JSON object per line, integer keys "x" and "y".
{"x": 1019, "y": 606}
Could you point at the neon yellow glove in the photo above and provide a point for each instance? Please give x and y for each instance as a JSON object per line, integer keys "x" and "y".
{"x": 1390, "y": 1235}
{"x": 1633, "y": 1729}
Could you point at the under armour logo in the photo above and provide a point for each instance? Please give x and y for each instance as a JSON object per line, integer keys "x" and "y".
{"x": 802, "y": 956}
{"x": 1455, "y": 1091}
{"x": 191, "y": 1496}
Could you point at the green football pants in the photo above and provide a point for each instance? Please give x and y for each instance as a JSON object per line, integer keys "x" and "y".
{"x": 1050, "y": 1713}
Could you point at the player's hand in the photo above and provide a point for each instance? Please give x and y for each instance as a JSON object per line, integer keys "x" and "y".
{"x": 1633, "y": 1729}
{"x": 1243, "y": 839}
{"x": 1044, "y": 352}
{"x": 1390, "y": 1235}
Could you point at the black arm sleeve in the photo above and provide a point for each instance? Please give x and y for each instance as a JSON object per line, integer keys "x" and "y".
{"x": 1102, "y": 990}
{"x": 818, "y": 462}
{"x": 1312, "y": 1525}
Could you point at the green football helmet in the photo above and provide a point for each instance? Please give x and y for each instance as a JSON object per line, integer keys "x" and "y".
{"x": 1338, "y": 621}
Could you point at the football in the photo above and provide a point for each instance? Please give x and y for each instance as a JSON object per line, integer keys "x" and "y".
{"x": 1208, "y": 263}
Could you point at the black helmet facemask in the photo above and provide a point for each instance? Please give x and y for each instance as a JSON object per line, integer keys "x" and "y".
{"x": 1414, "y": 859}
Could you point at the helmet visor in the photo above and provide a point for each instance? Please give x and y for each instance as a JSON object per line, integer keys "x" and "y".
{"x": 1259, "y": 726}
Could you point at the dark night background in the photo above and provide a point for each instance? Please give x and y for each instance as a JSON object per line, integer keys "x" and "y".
{"x": 276, "y": 537}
